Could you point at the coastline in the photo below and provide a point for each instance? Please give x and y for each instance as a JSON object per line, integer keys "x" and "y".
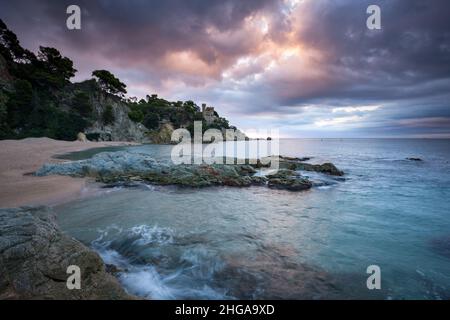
{"x": 18, "y": 158}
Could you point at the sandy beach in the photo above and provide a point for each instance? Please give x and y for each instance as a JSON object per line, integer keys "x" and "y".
{"x": 20, "y": 157}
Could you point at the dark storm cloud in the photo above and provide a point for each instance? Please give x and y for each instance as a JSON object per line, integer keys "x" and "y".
{"x": 401, "y": 61}
{"x": 130, "y": 33}
{"x": 308, "y": 59}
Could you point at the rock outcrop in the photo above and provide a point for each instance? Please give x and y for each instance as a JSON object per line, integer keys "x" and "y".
{"x": 121, "y": 129}
{"x": 163, "y": 135}
{"x": 288, "y": 180}
{"x": 35, "y": 254}
{"x": 125, "y": 167}
{"x": 299, "y": 164}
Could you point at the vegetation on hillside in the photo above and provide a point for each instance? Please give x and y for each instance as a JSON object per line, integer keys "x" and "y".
{"x": 38, "y": 99}
{"x": 154, "y": 111}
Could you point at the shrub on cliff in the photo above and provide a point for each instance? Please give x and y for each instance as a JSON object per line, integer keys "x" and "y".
{"x": 108, "y": 115}
{"x": 136, "y": 115}
{"x": 20, "y": 104}
{"x": 151, "y": 120}
{"x": 55, "y": 69}
{"x": 82, "y": 104}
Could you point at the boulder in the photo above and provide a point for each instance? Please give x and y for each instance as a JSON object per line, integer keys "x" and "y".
{"x": 327, "y": 168}
{"x": 81, "y": 137}
{"x": 288, "y": 180}
{"x": 35, "y": 254}
{"x": 292, "y": 163}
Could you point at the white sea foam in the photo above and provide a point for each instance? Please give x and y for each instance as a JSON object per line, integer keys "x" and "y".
{"x": 152, "y": 234}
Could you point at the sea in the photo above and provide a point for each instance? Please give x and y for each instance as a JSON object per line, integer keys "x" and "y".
{"x": 382, "y": 231}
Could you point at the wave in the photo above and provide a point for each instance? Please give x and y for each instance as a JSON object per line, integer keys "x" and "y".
{"x": 155, "y": 264}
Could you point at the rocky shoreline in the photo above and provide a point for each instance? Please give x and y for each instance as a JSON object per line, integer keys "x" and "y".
{"x": 35, "y": 254}
{"x": 125, "y": 167}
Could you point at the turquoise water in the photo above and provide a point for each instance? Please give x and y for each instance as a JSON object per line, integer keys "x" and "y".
{"x": 256, "y": 243}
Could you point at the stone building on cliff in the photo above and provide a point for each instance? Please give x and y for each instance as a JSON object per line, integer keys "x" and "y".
{"x": 209, "y": 114}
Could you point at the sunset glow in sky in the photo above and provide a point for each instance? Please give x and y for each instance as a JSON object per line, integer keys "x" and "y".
{"x": 309, "y": 68}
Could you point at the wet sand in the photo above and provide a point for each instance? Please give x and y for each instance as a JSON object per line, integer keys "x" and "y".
{"x": 18, "y": 158}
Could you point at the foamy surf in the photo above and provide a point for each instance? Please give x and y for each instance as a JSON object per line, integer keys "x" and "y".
{"x": 132, "y": 251}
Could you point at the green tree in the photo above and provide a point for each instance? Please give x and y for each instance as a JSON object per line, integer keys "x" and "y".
{"x": 82, "y": 104}
{"x": 10, "y": 46}
{"x": 20, "y": 103}
{"x": 108, "y": 115}
{"x": 68, "y": 126}
{"x": 59, "y": 69}
{"x": 151, "y": 120}
{"x": 191, "y": 107}
{"x": 109, "y": 82}
{"x": 136, "y": 115}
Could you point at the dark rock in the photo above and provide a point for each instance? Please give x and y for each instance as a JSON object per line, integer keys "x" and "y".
{"x": 291, "y": 163}
{"x": 327, "y": 168}
{"x": 122, "y": 184}
{"x": 112, "y": 269}
{"x": 258, "y": 180}
{"x": 288, "y": 180}
{"x": 414, "y": 159}
{"x": 295, "y": 158}
{"x": 35, "y": 254}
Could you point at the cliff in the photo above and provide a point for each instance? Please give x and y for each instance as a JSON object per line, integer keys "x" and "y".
{"x": 120, "y": 128}
{"x": 38, "y": 99}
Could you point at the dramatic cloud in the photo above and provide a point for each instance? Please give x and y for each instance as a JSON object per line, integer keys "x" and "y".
{"x": 309, "y": 67}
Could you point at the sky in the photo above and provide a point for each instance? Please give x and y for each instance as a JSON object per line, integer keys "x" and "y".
{"x": 308, "y": 68}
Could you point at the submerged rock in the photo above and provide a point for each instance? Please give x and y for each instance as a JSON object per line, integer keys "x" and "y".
{"x": 414, "y": 159}
{"x": 35, "y": 254}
